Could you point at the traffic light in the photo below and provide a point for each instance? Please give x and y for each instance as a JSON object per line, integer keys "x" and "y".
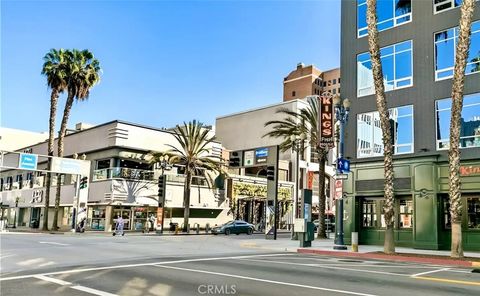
{"x": 161, "y": 190}
{"x": 271, "y": 173}
{"x": 234, "y": 159}
{"x": 83, "y": 182}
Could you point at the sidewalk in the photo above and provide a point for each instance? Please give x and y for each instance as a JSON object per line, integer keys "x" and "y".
{"x": 325, "y": 247}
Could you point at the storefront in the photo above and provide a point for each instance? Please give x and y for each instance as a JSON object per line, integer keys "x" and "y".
{"x": 422, "y": 218}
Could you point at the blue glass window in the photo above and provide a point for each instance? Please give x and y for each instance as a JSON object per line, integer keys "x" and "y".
{"x": 470, "y": 122}
{"x": 390, "y": 13}
{"x": 445, "y": 46}
{"x": 369, "y": 132}
{"x": 396, "y": 65}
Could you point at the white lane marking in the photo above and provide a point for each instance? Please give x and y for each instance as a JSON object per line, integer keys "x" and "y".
{"x": 429, "y": 272}
{"x": 460, "y": 270}
{"x": 8, "y": 255}
{"x": 92, "y": 291}
{"x": 264, "y": 280}
{"x": 52, "y": 280}
{"x": 54, "y": 243}
{"x": 136, "y": 265}
{"x": 326, "y": 267}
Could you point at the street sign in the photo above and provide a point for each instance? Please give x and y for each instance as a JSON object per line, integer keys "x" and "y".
{"x": 70, "y": 166}
{"x": 343, "y": 165}
{"x": 341, "y": 176}
{"x": 338, "y": 189}
{"x": 326, "y": 121}
{"x": 248, "y": 158}
{"x": 261, "y": 155}
{"x": 27, "y": 161}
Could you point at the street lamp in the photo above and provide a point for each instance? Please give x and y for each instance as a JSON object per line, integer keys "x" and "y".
{"x": 342, "y": 108}
{"x": 164, "y": 165}
{"x": 297, "y": 147}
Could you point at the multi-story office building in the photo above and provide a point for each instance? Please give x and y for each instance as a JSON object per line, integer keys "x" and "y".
{"x": 121, "y": 182}
{"x": 417, "y": 44}
{"x": 308, "y": 80}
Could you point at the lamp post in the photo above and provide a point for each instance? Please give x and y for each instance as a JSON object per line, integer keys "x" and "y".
{"x": 297, "y": 143}
{"x": 342, "y": 108}
{"x": 164, "y": 165}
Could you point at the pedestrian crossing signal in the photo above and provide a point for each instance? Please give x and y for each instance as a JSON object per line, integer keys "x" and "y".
{"x": 234, "y": 159}
{"x": 161, "y": 189}
{"x": 271, "y": 173}
{"x": 84, "y": 182}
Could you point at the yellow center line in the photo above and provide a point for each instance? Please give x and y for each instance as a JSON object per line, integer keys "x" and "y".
{"x": 446, "y": 280}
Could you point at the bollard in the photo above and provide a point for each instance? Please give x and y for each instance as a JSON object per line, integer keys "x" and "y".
{"x": 354, "y": 241}
{"x": 198, "y": 228}
{"x": 207, "y": 227}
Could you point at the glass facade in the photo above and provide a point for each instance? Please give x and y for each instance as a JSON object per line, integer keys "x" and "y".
{"x": 397, "y": 67}
{"x": 369, "y": 132}
{"x": 445, "y": 47}
{"x": 473, "y": 212}
{"x": 390, "y": 13}
{"x": 470, "y": 122}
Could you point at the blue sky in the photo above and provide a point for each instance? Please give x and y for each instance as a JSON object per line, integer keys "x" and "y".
{"x": 163, "y": 62}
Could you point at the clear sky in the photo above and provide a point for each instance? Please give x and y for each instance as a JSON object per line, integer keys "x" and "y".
{"x": 163, "y": 62}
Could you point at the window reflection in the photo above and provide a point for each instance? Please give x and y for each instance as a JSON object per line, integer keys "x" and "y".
{"x": 473, "y": 212}
{"x": 442, "y": 5}
{"x": 390, "y": 13}
{"x": 369, "y": 132}
{"x": 445, "y": 45}
{"x": 396, "y": 66}
{"x": 470, "y": 122}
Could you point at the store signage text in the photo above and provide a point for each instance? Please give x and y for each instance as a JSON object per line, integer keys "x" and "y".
{"x": 326, "y": 121}
{"x": 469, "y": 170}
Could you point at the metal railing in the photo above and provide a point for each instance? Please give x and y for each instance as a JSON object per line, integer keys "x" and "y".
{"x": 122, "y": 173}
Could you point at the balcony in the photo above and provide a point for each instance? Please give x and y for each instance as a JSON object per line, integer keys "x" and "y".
{"x": 122, "y": 173}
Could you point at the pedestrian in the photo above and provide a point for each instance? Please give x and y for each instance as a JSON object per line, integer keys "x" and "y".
{"x": 119, "y": 223}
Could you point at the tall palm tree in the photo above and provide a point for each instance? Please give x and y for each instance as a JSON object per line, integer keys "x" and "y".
{"x": 304, "y": 122}
{"x": 463, "y": 45}
{"x": 83, "y": 72}
{"x": 54, "y": 69}
{"x": 374, "y": 49}
{"x": 194, "y": 154}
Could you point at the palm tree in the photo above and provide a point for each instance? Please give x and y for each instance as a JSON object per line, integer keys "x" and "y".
{"x": 463, "y": 45}
{"x": 374, "y": 49}
{"x": 55, "y": 71}
{"x": 195, "y": 156}
{"x": 83, "y": 72}
{"x": 304, "y": 122}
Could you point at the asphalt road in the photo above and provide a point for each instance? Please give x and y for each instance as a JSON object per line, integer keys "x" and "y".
{"x": 33, "y": 265}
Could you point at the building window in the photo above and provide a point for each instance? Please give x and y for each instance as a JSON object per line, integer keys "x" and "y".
{"x": 338, "y": 79}
{"x": 334, "y": 91}
{"x": 369, "y": 212}
{"x": 442, "y": 5}
{"x": 445, "y": 47}
{"x": 19, "y": 181}
{"x": 390, "y": 13}
{"x": 1, "y": 184}
{"x": 293, "y": 93}
{"x": 473, "y": 212}
{"x": 396, "y": 65}
{"x": 334, "y": 81}
{"x": 324, "y": 83}
{"x": 470, "y": 122}
{"x": 405, "y": 212}
{"x": 369, "y": 132}
{"x": 447, "y": 219}
{"x": 338, "y": 90}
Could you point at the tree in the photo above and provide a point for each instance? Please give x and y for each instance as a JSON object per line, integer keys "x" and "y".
{"x": 374, "y": 49}
{"x": 194, "y": 154}
{"x": 304, "y": 122}
{"x": 54, "y": 68}
{"x": 83, "y": 72}
{"x": 461, "y": 55}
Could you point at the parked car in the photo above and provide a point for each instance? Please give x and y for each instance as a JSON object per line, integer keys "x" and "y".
{"x": 237, "y": 227}
{"x": 329, "y": 225}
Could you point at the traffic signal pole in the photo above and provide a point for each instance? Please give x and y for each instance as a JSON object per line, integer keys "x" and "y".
{"x": 75, "y": 205}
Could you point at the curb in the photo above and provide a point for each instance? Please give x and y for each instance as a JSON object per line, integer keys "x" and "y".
{"x": 436, "y": 261}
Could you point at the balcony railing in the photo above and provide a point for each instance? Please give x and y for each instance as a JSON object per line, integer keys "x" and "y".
{"x": 122, "y": 173}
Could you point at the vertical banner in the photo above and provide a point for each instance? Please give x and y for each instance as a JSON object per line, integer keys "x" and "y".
{"x": 326, "y": 121}
{"x": 310, "y": 176}
{"x": 159, "y": 218}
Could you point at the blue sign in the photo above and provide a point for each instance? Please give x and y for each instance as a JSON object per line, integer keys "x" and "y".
{"x": 343, "y": 165}
{"x": 27, "y": 161}
{"x": 261, "y": 155}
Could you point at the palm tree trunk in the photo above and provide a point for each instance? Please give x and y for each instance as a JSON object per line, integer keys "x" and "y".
{"x": 186, "y": 200}
{"x": 51, "y": 139}
{"x": 61, "y": 137}
{"x": 374, "y": 49}
{"x": 462, "y": 49}
{"x": 321, "y": 195}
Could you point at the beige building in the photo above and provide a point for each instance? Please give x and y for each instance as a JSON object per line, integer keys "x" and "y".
{"x": 309, "y": 80}
{"x": 13, "y": 139}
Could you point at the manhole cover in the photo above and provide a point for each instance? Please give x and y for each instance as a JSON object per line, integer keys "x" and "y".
{"x": 350, "y": 260}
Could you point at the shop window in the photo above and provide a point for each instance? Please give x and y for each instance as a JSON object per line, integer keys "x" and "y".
{"x": 445, "y": 47}
{"x": 470, "y": 122}
{"x": 405, "y": 212}
{"x": 103, "y": 164}
{"x": 397, "y": 67}
{"x": 390, "y": 13}
{"x": 447, "y": 218}
{"x": 98, "y": 218}
{"x": 473, "y": 212}
{"x": 369, "y": 212}
{"x": 369, "y": 132}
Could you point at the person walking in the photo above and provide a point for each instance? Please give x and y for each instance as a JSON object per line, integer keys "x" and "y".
{"x": 119, "y": 223}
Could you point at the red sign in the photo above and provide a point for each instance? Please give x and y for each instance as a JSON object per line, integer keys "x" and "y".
{"x": 159, "y": 217}
{"x": 338, "y": 189}
{"x": 469, "y": 170}
{"x": 326, "y": 121}
{"x": 310, "y": 180}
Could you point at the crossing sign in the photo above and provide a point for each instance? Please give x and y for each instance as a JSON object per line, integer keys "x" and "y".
{"x": 343, "y": 165}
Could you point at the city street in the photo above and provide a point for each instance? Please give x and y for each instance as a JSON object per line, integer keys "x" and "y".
{"x": 98, "y": 264}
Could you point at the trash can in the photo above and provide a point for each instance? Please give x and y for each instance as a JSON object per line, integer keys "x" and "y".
{"x": 34, "y": 223}
{"x": 173, "y": 226}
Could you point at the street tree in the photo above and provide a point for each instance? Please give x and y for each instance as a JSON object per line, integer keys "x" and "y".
{"x": 461, "y": 55}
{"x": 83, "y": 72}
{"x": 54, "y": 69}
